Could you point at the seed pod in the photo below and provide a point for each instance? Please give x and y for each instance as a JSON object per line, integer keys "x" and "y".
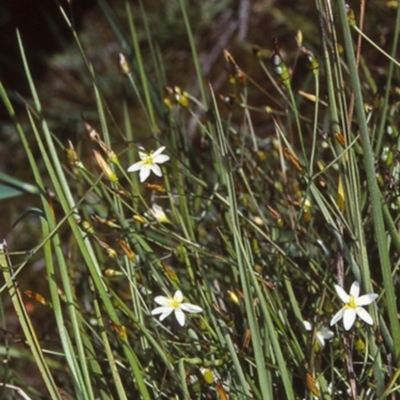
{"x": 350, "y": 16}
{"x": 279, "y": 66}
{"x": 312, "y": 60}
{"x": 109, "y": 250}
{"x": 73, "y": 159}
{"x": 87, "y": 227}
{"x": 127, "y": 250}
{"x": 94, "y": 136}
{"x": 387, "y": 156}
{"x": 235, "y": 73}
{"x": 120, "y": 330}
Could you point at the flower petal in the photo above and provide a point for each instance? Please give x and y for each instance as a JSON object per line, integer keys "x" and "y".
{"x": 355, "y": 289}
{"x": 156, "y": 212}
{"x": 337, "y": 317}
{"x": 307, "y": 326}
{"x": 178, "y": 296}
{"x": 135, "y": 167}
{"x": 342, "y": 294}
{"x": 349, "y": 316}
{"x": 162, "y": 158}
{"x": 366, "y": 299}
{"x": 180, "y": 316}
{"x": 320, "y": 340}
{"x": 161, "y": 300}
{"x": 191, "y": 308}
{"x": 161, "y": 310}
{"x": 156, "y": 169}
{"x": 144, "y": 173}
{"x": 364, "y": 315}
{"x": 166, "y": 313}
{"x": 158, "y": 151}
{"x": 326, "y": 333}
{"x": 143, "y": 154}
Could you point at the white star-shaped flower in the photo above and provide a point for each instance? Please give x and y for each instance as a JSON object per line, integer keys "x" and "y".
{"x": 353, "y": 306}
{"x": 321, "y": 334}
{"x": 148, "y": 162}
{"x": 174, "y": 304}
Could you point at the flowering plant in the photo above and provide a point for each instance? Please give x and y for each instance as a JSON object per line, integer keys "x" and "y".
{"x": 149, "y": 163}
{"x": 174, "y": 304}
{"x": 353, "y": 306}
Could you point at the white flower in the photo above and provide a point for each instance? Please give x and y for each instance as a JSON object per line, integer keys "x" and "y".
{"x": 156, "y": 212}
{"x": 170, "y": 304}
{"x": 353, "y": 306}
{"x": 321, "y": 334}
{"x": 148, "y": 162}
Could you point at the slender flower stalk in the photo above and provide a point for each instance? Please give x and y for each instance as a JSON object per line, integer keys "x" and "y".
{"x": 149, "y": 163}
{"x": 174, "y": 304}
{"x": 353, "y": 306}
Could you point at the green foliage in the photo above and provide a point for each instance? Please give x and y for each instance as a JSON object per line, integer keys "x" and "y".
{"x": 268, "y": 203}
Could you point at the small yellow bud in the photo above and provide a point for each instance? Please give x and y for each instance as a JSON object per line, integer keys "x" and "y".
{"x": 112, "y": 273}
{"x": 359, "y": 345}
{"x": 234, "y": 298}
{"x": 208, "y": 375}
{"x": 139, "y": 219}
{"x": 181, "y": 97}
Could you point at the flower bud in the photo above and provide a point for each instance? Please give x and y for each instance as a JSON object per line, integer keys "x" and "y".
{"x": 107, "y": 171}
{"x": 124, "y": 65}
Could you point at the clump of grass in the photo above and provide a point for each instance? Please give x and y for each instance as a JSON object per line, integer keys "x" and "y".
{"x": 254, "y": 230}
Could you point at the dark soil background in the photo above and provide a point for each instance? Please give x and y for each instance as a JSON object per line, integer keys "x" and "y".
{"x": 43, "y": 30}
